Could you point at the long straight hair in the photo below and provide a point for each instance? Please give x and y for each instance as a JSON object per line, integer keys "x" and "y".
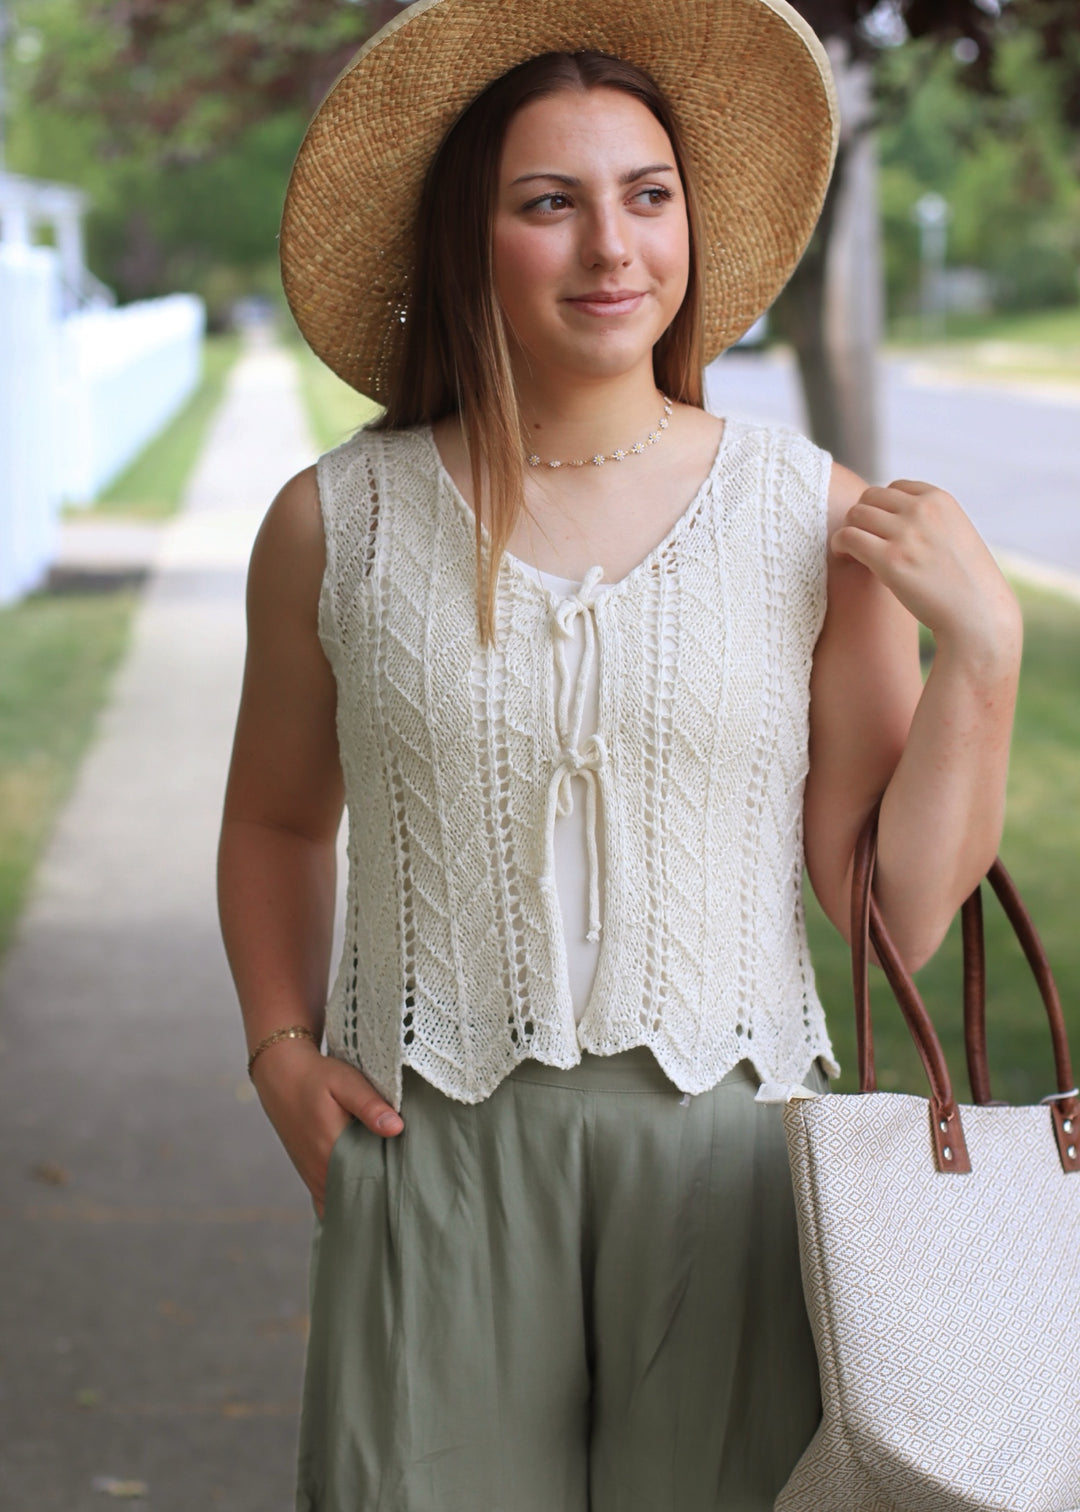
{"x": 457, "y": 357}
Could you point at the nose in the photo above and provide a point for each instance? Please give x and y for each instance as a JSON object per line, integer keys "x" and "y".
{"x": 605, "y": 243}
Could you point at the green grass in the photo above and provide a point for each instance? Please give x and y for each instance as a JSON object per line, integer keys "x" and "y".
{"x": 1051, "y": 328}
{"x": 57, "y": 653}
{"x": 152, "y": 486}
{"x": 1041, "y": 849}
{"x": 333, "y": 409}
{"x": 1041, "y": 346}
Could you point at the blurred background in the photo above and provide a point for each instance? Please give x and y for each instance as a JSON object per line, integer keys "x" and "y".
{"x": 154, "y": 393}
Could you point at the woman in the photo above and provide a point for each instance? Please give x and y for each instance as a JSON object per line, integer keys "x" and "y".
{"x": 597, "y": 672}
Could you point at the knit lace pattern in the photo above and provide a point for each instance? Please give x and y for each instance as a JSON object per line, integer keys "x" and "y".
{"x": 454, "y": 756}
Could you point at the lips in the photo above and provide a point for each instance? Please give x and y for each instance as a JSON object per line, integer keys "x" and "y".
{"x": 607, "y": 302}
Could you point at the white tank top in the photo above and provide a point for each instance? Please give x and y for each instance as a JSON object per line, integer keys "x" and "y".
{"x": 573, "y": 851}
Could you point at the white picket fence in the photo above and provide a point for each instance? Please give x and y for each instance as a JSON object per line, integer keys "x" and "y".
{"x": 79, "y": 398}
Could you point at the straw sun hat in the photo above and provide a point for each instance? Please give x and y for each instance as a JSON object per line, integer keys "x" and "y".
{"x": 748, "y": 79}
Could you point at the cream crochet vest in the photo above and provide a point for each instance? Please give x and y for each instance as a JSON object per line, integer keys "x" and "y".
{"x": 454, "y": 755}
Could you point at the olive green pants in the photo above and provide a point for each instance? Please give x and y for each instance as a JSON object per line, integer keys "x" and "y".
{"x": 580, "y": 1295}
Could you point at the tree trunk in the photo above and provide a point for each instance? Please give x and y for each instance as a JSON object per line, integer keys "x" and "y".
{"x": 832, "y": 309}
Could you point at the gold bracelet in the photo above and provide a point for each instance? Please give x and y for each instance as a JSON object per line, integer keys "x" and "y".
{"x": 295, "y": 1031}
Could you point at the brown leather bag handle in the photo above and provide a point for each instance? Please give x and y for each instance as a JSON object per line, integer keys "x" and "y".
{"x": 868, "y": 926}
{"x": 946, "y": 1129}
{"x": 1065, "y": 1104}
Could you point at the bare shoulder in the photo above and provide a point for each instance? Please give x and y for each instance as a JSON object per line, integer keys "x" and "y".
{"x": 289, "y": 554}
{"x": 285, "y": 768}
{"x": 294, "y": 517}
{"x": 845, "y": 489}
{"x": 290, "y": 548}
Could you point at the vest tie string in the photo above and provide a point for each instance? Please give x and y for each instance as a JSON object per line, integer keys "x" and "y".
{"x": 586, "y": 759}
{"x": 587, "y": 763}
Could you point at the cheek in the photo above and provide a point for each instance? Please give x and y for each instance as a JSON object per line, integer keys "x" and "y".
{"x": 671, "y": 253}
{"x": 523, "y": 264}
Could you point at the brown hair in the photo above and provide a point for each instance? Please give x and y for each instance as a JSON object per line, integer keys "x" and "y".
{"x": 456, "y": 359}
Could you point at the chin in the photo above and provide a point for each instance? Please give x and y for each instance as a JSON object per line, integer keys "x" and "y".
{"x": 608, "y": 360}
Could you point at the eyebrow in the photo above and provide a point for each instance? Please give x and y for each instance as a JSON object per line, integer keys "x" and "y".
{"x": 573, "y": 183}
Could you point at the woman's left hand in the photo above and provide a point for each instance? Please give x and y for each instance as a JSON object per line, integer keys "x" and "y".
{"x": 917, "y": 540}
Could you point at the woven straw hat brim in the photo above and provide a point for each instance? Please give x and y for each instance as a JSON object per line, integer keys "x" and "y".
{"x": 748, "y": 79}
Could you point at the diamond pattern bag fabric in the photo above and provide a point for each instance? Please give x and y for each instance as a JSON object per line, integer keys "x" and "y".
{"x": 940, "y": 1251}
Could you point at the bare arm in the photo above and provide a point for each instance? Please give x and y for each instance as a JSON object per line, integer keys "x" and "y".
{"x": 276, "y": 863}
{"x": 939, "y": 753}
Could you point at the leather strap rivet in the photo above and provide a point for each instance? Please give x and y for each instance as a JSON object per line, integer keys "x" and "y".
{"x": 1071, "y": 1152}
{"x": 947, "y": 1152}
{"x": 943, "y": 1125}
{"x": 1067, "y": 1125}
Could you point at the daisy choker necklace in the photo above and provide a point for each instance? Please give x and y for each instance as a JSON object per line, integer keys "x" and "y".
{"x": 619, "y": 454}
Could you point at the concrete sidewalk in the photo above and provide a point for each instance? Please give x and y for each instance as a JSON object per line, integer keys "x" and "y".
{"x": 153, "y": 1236}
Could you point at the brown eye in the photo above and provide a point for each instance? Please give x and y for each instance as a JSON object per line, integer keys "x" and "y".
{"x": 547, "y": 204}
{"x": 655, "y": 196}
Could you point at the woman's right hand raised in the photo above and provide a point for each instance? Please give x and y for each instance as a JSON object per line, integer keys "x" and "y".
{"x": 310, "y": 1098}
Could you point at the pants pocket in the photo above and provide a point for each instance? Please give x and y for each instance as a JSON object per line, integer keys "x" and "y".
{"x": 356, "y": 1155}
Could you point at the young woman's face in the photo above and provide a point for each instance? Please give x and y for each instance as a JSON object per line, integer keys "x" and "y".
{"x": 591, "y": 239}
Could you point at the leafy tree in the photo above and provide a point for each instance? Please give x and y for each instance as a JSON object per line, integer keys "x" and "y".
{"x": 185, "y": 79}
{"x": 185, "y": 188}
{"x": 1005, "y": 159}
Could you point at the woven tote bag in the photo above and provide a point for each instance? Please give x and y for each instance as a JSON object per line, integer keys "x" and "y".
{"x": 940, "y": 1250}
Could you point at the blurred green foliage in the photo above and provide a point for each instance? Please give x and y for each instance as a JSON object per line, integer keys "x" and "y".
{"x": 1006, "y": 161}
{"x": 209, "y": 225}
{"x": 181, "y": 121}
{"x": 184, "y": 79}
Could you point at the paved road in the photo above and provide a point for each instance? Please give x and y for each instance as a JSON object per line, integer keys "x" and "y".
{"x": 153, "y": 1237}
{"x": 1011, "y": 457}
